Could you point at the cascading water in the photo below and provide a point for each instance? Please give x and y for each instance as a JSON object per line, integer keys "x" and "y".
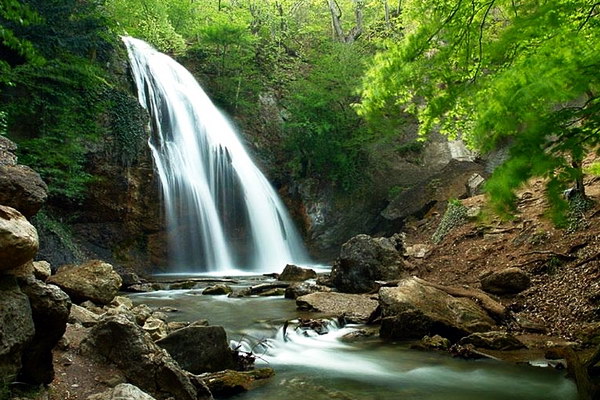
{"x": 221, "y": 211}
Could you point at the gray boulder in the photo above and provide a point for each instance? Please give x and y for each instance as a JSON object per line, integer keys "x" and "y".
{"x": 18, "y": 239}
{"x": 293, "y": 273}
{"x": 94, "y": 280}
{"x": 507, "y": 281}
{"x": 200, "y": 349}
{"x": 412, "y": 310}
{"x": 298, "y": 289}
{"x": 118, "y": 340}
{"x": 42, "y": 270}
{"x": 358, "y": 308}
{"x": 364, "y": 260}
{"x": 216, "y": 290}
{"x": 121, "y": 392}
{"x": 50, "y": 308}
{"x": 16, "y": 327}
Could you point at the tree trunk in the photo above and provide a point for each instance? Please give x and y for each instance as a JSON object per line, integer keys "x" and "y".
{"x": 336, "y": 21}
{"x": 336, "y": 15}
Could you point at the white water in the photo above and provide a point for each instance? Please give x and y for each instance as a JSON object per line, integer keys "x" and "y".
{"x": 221, "y": 211}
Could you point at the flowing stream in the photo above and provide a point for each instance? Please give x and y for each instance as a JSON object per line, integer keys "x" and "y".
{"x": 221, "y": 211}
{"x": 320, "y": 367}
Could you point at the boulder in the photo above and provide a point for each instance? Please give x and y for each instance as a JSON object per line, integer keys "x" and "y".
{"x": 118, "y": 340}
{"x": 435, "y": 342}
{"x": 94, "y": 280}
{"x": 22, "y": 188}
{"x": 507, "y": 281}
{"x": 412, "y": 310}
{"x": 364, "y": 260}
{"x": 200, "y": 349}
{"x": 495, "y": 340}
{"x": 18, "y": 239}
{"x": 356, "y": 308}
{"x": 298, "y": 289}
{"x": 83, "y": 316}
{"x": 122, "y": 391}
{"x": 141, "y": 313}
{"x": 16, "y": 327}
{"x": 42, "y": 270}
{"x": 50, "y": 308}
{"x": 217, "y": 290}
{"x": 293, "y": 273}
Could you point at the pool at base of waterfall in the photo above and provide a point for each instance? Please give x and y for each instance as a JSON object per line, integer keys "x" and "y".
{"x": 319, "y": 364}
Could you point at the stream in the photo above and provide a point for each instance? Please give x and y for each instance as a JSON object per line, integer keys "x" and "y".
{"x": 315, "y": 366}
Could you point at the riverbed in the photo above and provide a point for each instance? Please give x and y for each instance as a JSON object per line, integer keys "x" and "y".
{"x": 309, "y": 365}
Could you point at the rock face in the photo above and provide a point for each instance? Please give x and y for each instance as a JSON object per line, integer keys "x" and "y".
{"x": 506, "y": 281}
{"x": 412, "y": 310}
{"x": 364, "y": 260}
{"x": 293, "y": 273}
{"x": 16, "y": 327}
{"x": 496, "y": 340}
{"x": 118, "y": 340}
{"x": 354, "y": 307}
{"x": 22, "y": 188}
{"x": 50, "y": 310}
{"x": 199, "y": 349}
{"x": 18, "y": 239}
{"x": 95, "y": 280}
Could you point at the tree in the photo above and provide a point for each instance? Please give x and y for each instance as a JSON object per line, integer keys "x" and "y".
{"x": 522, "y": 74}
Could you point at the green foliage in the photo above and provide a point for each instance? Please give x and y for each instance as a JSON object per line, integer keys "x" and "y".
{"x": 455, "y": 215}
{"x": 127, "y": 122}
{"x": 498, "y": 73}
{"x": 53, "y": 107}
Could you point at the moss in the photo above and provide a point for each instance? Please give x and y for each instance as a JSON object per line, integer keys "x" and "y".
{"x": 62, "y": 231}
{"x": 455, "y": 215}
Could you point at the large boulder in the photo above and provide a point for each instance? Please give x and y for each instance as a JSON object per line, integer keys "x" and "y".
{"x": 16, "y": 327}
{"x": 412, "y": 310}
{"x": 353, "y": 307}
{"x": 364, "y": 260}
{"x": 507, "y": 281}
{"x": 18, "y": 239}
{"x": 118, "y": 340}
{"x": 122, "y": 391}
{"x": 293, "y": 273}
{"x": 94, "y": 280}
{"x": 200, "y": 349}
{"x": 50, "y": 310}
{"x": 22, "y": 188}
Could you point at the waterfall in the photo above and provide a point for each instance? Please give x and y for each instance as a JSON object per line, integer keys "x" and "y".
{"x": 221, "y": 211}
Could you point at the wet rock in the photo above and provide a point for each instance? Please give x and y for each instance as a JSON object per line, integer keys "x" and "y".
{"x": 357, "y": 336}
{"x": 118, "y": 340}
{"x": 506, "y": 281}
{"x": 156, "y": 328}
{"x": 353, "y": 307}
{"x": 177, "y": 325}
{"x": 83, "y": 316}
{"x": 16, "y": 327}
{"x": 18, "y": 239}
{"x": 435, "y": 342}
{"x": 495, "y": 340}
{"x": 364, "y": 260}
{"x": 22, "y": 189}
{"x": 94, "y": 280}
{"x": 229, "y": 383}
{"x": 298, "y": 289}
{"x": 50, "y": 308}
{"x": 42, "y": 270}
{"x": 273, "y": 292}
{"x": 293, "y": 273}
{"x": 142, "y": 288}
{"x": 413, "y": 310}
{"x": 199, "y": 349}
{"x": 122, "y": 391}
{"x": 219, "y": 289}
{"x": 186, "y": 285}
